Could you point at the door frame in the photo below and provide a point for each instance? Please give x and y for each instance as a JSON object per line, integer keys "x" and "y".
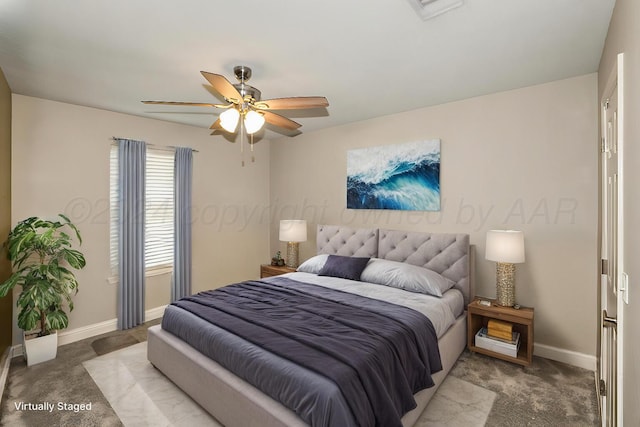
{"x": 615, "y": 81}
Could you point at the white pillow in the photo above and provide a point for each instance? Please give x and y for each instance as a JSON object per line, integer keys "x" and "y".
{"x": 405, "y": 276}
{"x": 313, "y": 264}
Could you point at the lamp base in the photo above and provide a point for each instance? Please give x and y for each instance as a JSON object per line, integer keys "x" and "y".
{"x": 292, "y": 254}
{"x": 505, "y": 280}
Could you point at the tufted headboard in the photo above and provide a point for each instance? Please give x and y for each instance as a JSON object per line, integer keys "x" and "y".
{"x": 445, "y": 253}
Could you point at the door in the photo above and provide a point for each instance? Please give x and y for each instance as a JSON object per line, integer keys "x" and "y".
{"x": 610, "y": 339}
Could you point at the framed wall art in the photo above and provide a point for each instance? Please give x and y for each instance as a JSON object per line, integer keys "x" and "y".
{"x": 400, "y": 176}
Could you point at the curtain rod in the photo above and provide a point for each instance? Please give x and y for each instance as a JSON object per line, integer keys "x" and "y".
{"x": 159, "y": 147}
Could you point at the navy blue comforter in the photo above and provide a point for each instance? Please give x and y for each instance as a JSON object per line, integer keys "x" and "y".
{"x": 379, "y": 354}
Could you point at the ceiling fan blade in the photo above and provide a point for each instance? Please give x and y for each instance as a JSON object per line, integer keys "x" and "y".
{"x": 280, "y": 121}
{"x": 294, "y": 103}
{"x": 194, "y": 104}
{"x": 216, "y": 125}
{"x": 223, "y": 87}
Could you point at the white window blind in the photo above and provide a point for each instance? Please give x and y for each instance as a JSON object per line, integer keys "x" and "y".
{"x": 158, "y": 246}
{"x": 158, "y": 242}
{"x": 114, "y": 213}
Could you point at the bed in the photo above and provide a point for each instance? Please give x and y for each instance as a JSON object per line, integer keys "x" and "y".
{"x": 234, "y": 401}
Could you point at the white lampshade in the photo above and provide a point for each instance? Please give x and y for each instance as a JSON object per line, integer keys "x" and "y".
{"x": 293, "y": 230}
{"x": 229, "y": 119}
{"x": 253, "y": 122}
{"x": 505, "y": 246}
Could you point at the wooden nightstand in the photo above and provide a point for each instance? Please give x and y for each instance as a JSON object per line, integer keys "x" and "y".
{"x": 522, "y": 320}
{"x": 267, "y": 270}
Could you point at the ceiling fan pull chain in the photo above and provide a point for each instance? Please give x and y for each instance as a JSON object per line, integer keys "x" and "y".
{"x": 253, "y": 158}
{"x": 242, "y": 141}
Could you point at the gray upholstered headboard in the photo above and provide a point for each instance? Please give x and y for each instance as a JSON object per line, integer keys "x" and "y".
{"x": 445, "y": 253}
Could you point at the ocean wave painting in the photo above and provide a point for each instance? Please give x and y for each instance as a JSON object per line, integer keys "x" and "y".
{"x": 401, "y": 176}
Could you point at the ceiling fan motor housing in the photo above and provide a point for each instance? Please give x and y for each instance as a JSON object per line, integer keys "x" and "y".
{"x": 248, "y": 90}
{"x": 243, "y": 74}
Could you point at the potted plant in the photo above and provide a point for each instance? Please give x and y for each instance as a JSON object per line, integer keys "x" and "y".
{"x": 40, "y": 252}
{"x": 277, "y": 260}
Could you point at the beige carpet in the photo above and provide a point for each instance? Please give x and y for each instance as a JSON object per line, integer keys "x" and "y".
{"x": 547, "y": 393}
{"x": 141, "y": 396}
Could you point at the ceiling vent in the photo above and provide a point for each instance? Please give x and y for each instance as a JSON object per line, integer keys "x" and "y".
{"x": 428, "y": 9}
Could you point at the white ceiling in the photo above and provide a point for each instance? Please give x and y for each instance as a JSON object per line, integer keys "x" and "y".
{"x": 368, "y": 57}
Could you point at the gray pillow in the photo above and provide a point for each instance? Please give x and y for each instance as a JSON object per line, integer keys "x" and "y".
{"x": 406, "y": 276}
{"x": 344, "y": 267}
{"x": 313, "y": 264}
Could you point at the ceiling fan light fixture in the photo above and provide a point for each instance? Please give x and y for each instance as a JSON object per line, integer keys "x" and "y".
{"x": 229, "y": 120}
{"x": 253, "y": 122}
{"x": 244, "y": 102}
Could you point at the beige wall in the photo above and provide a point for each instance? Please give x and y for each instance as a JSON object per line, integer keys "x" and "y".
{"x": 624, "y": 36}
{"x": 6, "y": 303}
{"x": 61, "y": 164}
{"x": 522, "y": 159}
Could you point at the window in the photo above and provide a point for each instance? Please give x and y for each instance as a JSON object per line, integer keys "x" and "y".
{"x": 158, "y": 245}
{"x": 158, "y": 242}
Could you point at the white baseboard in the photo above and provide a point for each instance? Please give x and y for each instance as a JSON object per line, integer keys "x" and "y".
{"x": 574, "y": 358}
{"x": 89, "y": 331}
{"x": 154, "y": 313}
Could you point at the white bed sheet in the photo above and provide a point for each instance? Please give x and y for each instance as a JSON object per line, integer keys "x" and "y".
{"x": 441, "y": 311}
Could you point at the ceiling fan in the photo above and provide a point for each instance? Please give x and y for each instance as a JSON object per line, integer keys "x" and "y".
{"x": 243, "y": 101}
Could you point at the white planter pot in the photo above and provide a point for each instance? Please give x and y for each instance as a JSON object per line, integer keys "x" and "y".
{"x": 40, "y": 349}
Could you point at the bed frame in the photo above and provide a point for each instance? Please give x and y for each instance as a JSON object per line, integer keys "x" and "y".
{"x": 234, "y": 402}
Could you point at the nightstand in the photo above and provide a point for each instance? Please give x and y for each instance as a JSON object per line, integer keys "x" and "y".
{"x": 522, "y": 320}
{"x": 267, "y": 270}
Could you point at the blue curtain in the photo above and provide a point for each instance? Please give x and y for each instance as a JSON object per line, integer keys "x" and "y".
{"x": 131, "y": 269}
{"x": 181, "y": 283}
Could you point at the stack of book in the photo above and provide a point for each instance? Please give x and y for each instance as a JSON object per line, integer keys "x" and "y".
{"x": 499, "y": 329}
{"x": 499, "y": 337}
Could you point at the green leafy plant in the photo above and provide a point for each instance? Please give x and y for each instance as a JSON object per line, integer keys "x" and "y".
{"x": 40, "y": 252}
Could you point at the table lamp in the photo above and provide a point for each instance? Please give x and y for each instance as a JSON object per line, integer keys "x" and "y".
{"x": 293, "y": 231}
{"x": 506, "y": 247}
